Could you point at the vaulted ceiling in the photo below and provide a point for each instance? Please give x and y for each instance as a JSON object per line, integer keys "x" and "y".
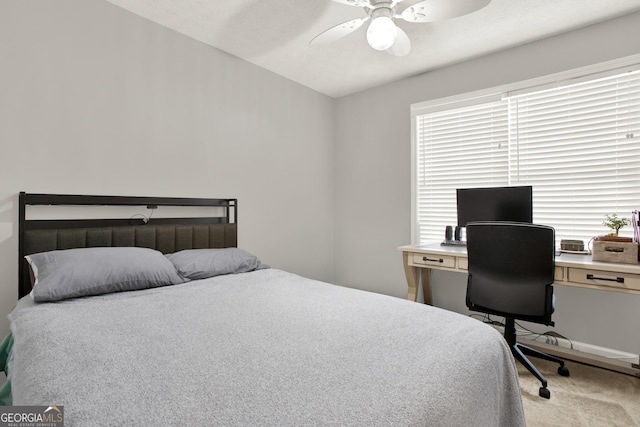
{"x": 275, "y": 34}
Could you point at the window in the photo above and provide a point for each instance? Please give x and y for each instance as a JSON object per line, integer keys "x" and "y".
{"x": 576, "y": 143}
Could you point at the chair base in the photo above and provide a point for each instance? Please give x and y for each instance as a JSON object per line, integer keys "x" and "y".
{"x": 521, "y": 351}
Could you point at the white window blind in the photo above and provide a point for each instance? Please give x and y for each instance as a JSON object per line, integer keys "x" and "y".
{"x": 459, "y": 148}
{"x": 578, "y": 145}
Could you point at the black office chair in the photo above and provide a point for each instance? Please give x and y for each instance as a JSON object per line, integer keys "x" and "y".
{"x": 511, "y": 272}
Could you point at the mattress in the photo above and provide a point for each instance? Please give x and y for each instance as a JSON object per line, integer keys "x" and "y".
{"x": 266, "y": 348}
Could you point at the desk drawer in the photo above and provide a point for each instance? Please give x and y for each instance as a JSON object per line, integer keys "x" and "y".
{"x": 435, "y": 260}
{"x": 604, "y": 278}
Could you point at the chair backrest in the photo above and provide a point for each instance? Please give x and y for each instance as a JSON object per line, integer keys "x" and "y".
{"x": 511, "y": 270}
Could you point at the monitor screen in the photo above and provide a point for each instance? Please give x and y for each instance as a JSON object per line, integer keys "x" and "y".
{"x": 494, "y": 204}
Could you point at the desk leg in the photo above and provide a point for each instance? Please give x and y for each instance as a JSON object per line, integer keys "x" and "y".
{"x": 413, "y": 274}
{"x": 412, "y": 279}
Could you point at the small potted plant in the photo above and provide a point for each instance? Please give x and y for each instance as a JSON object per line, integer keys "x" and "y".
{"x": 614, "y": 248}
{"x": 615, "y": 223}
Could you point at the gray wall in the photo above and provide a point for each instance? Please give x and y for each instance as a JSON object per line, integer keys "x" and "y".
{"x": 373, "y": 158}
{"x": 96, "y": 100}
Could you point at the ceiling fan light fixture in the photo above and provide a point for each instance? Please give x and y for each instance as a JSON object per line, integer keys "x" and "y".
{"x": 382, "y": 31}
{"x": 383, "y": 34}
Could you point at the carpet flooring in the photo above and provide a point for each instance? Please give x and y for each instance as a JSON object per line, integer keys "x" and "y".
{"x": 589, "y": 397}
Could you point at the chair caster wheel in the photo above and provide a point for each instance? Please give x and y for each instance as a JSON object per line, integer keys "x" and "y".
{"x": 563, "y": 371}
{"x": 544, "y": 392}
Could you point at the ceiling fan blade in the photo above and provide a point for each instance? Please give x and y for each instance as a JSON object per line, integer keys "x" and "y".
{"x": 436, "y": 10}
{"x": 337, "y": 32}
{"x": 402, "y": 45}
{"x": 357, "y": 3}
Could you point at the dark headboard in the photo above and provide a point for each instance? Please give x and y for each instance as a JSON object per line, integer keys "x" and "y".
{"x": 164, "y": 234}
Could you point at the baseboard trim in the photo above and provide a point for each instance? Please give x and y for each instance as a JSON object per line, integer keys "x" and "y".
{"x": 586, "y": 358}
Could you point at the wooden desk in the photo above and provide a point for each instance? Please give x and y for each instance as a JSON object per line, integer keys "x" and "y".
{"x": 571, "y": 270}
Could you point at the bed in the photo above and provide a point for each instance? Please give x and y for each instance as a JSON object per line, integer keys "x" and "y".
{"x": 252, "y": 345}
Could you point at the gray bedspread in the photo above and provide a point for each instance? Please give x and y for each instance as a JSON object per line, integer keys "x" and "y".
{"x": 265, "y": 348}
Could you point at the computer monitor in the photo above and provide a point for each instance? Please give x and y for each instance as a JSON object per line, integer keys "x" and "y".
{"x": 494, "y": 204}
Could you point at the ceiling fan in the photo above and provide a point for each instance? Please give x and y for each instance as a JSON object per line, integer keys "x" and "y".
{"x": 383, "y": 34}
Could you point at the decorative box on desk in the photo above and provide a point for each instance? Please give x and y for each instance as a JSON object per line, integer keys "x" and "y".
{"x": 615, "y": 249}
